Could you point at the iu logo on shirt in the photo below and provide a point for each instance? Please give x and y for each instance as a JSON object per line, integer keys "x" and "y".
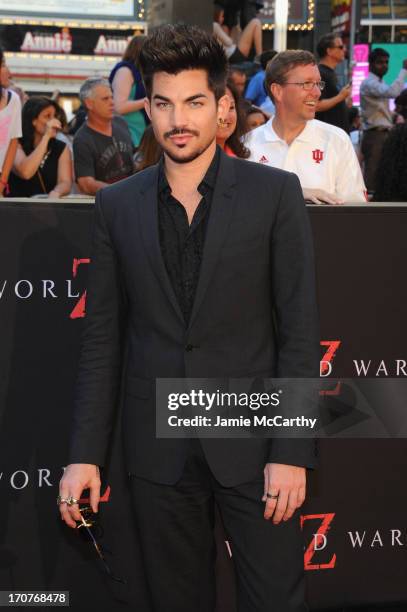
{"x": 263, "y": 160}
{"x": 317, "y": 156}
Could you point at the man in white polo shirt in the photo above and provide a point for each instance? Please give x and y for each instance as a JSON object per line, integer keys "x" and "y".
{"x": 320, "y": 154}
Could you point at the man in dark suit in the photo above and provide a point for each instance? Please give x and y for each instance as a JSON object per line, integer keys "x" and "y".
{"x": 203, "y": 267}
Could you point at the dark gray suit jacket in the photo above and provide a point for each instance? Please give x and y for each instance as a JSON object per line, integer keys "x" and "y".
{"x": 254, "y": 315}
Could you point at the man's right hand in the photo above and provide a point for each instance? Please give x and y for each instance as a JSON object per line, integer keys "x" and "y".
{"x": 76, "y": 478}
{"x": 346, "y": 91}
{"x": 320, "y": 196}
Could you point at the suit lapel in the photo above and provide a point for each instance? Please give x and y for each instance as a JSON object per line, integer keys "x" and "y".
{"x": 148, "y": 215}
{"x": 223, "y": 203}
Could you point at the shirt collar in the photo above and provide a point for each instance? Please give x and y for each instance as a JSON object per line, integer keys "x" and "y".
{"x": 325, "y": 67}
{"x": 271, "y": 136}
{"x": 163, "y": 186}
{"x": 269, "y": 133}
{"x": 307, "y": 133}
{"x": 208, "y": 182}
{"x": 374, "y": 76}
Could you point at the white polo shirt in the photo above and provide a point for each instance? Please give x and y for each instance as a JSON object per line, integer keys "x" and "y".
{"x": 322, "y": 157}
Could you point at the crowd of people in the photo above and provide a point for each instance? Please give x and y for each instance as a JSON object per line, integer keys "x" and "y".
{"x": 290, "y": 114}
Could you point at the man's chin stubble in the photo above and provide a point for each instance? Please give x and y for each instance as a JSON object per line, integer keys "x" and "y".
{"x": 187, "y": 159}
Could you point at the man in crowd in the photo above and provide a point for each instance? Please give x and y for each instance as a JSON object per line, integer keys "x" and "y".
{"x": 377, "y": 118}
{"x": 238, "y": 78}
{"x": 167, "y": 282}
{"x": 320, "y": 154}
{"x": 331, "y": 106}
{"x": 255, "y": 91}
{"x": 102, "y": 147}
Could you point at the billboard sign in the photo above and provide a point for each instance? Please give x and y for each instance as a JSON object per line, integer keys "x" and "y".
{"x": 360, "y": 70}
{"x": 103, "y": 9}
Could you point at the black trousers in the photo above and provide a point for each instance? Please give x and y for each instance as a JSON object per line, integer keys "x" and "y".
{"x": 175, "y": 524}
{"x": 371, "y": 148}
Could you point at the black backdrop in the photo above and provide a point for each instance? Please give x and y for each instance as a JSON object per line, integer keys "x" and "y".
{"x": 357, "y": 500}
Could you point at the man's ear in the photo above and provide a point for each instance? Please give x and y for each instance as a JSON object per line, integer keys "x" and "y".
{"x": 88, "y": 104}
{"x": 147, "y": 107}
{"x": 223, "y": 107}
{"x": 275, "y": 89}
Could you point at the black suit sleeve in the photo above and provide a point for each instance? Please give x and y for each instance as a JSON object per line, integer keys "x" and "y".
{"x": 296, "y": 314}
{"x": 101, "y": 352}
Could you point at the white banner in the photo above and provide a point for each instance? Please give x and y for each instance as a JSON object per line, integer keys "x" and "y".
{"x": 102, "y": 8}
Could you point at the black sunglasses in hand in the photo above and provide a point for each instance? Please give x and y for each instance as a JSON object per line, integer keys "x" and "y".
{"x": 90, "y": 529}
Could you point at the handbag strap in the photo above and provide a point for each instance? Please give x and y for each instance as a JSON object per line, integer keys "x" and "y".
{"x": 41, "y": 181}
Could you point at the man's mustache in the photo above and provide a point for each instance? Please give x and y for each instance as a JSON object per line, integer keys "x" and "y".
{"x": 180, "y": 132}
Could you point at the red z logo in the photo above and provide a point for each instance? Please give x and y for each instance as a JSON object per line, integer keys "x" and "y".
{"x": 79, "y": 310}
{"x": 319, "y": 542}
{"x": 326, "y": 364}
{"x": 317, "y": 156}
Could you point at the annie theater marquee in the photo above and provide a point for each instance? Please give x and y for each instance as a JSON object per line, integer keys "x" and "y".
{"x": 62, "y": 42}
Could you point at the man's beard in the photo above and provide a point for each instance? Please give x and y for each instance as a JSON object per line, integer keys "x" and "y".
{"x": 193, "y": 155}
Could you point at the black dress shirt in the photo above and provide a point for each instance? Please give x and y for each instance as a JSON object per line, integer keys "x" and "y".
{"x": 182, "y": 244}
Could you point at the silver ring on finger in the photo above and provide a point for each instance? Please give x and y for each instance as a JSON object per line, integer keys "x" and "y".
{"x": 61, "y": 500}
{"x": 271, "y": 496}
{"x": 71, "y": 501}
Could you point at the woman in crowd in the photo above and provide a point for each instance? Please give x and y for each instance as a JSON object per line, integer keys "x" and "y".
{"x": 128, "y": 90}
{"x": 231, "y": 131}
{"x": 10, "y": 125}
{"x": 63, "y": 133}
{"x": 255, "y": 117}
{"x": 149, "y": 151}
{"x": 391, "y": 177}
{"x": 355, "y": 123}
{"x": 42, "y": 164}
{"x": 251, "y": 35}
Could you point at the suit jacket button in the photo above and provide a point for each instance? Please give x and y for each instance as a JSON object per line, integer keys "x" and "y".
{"x": 189, "y": 347}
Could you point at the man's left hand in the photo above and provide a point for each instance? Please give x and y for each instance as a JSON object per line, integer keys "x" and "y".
{"x": 288, "y": 482}
{"x": 320, "y": 196}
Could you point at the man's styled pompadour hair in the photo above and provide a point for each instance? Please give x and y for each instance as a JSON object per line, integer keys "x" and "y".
{"x": 174, "y": 48}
